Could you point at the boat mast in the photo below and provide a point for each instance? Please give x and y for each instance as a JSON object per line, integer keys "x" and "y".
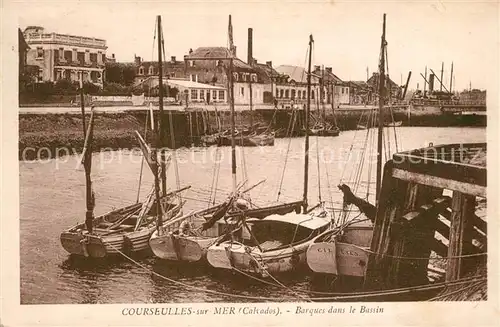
{"x": 161, "y": 132}
{"x": 157, "y": 135}
{"x": 231, "y": 105}
{"x": 381, "y": 97}
{"x": 87, "y": 162}
{"x": 308, "y": 109}
{"x": 451, "y": 78}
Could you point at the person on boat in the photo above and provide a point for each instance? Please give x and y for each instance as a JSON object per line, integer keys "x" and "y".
{"x": 368, "y": 209}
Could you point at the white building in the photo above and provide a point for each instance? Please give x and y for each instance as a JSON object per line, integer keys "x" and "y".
{"x": 62, "y": 56}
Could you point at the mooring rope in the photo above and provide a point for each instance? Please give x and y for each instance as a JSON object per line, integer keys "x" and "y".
{"x": 335, "y": 296}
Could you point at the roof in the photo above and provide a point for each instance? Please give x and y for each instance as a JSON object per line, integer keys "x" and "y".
{"x": 307, "y": 221}
{"x": 193, "y": 85}
{"x": 296, "y": 73}
{"x": 217, "y": 52}
{"x": 373, "y": 80}
{"x": 265, "y": 72}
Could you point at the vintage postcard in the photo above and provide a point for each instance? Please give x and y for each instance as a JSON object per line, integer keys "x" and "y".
{"x": 257, "y": 163}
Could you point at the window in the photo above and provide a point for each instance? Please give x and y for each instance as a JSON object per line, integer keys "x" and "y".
{"x": 293, "y": 94}
{"x": 312, "y": 94}
{"x": 254, "y": 78}
{"x": 202, "y": 94}
{"x": 191, "y": 63}
{"x": 214, "y": 95}
{"x": 287, "y": 93}
{"x": 141, "y": 70}
{"x": 221, "y": 95}
{"x": 194, "y": 94}
{"x": 299, "y": 94}
{"x": 342, "y": 90}
{"x": 235, "y": 77}
{"x": 151, "y": 70}
{"x": 242, "y": 91}
{"x": 281, "y": 93}
{"x": 277, "y": 93}
{"x": 193, "y": 78}
{"x": 39, "y": 52}
{"x": 40, "y": 75}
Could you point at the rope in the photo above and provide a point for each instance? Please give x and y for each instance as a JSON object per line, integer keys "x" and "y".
{"x": 318, "y": 165}
{"x": 341, "y": 296}
{"x": 460, "y": 290}
{"x": 422, "y": 258}
{"x": 142, "y": 160}
{"x": 286, "y": 155}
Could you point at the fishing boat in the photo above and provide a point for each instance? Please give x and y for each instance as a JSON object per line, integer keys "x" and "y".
{"x": 187, "y": 238}
{"x": 343, "y": 250}
{"x": 394, "y": 124}
{"x": 276, "y": 243}
{"x": 127, "y": 229}
{"x": 247, "y": 138}
{"x": 324, "y": 130}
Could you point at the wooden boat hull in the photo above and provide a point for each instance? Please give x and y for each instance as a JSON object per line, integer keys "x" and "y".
{"x": 171, "y": 245}
{"x": 345, "y": 256}
{"x": 394, "y": 124}
{"x": 249, "y": 140}
{"x": 77, "y": 241}
{"x": 180, "y": 247}
{"x": 229, "y": 255}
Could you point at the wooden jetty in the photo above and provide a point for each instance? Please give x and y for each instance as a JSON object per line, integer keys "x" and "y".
{"x": 427, "y": 207}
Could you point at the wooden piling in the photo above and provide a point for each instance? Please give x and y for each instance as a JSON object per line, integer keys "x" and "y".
{"x": 462, "y": 209}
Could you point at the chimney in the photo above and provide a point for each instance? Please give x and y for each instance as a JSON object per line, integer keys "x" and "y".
{"x": 190, "y": 51}
{"x": 137, "y": 60}
{"x": 113, "y": 55}
{"x": 172, "y": 58}
{"x": 329, "y": 70}
{"x": 255, "y": 61}
{"x": 431, "y": 82}
{"x": 250, "y": 47}
{"x": 317, "y": 68}
{"x": 269, "y": 63}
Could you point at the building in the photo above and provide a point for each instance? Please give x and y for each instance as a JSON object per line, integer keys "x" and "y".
{"x": 63, "y": 56}
{"x": 395, "y": 89}
{"x": 360, "y": 92}
{"x": 145, "y": 69}
{"x": 246, "y": 79}
{"x": 291, "y": 86}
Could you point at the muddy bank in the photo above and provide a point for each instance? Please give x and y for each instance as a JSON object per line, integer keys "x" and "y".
{"x": 51, "y": 135}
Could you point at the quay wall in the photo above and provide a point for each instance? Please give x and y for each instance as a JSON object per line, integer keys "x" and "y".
{"x": 43, "y": 135}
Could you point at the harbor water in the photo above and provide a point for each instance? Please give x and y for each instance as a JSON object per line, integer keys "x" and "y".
{"x": 52, "y": 198}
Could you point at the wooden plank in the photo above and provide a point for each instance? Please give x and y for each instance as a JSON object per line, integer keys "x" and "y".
{"x": 454, "y": 185}
{"x": 442, "y": 162}
{"x": 463, "y": 206}
{"x": 480, "y": 224}
{"x": 391, "y": 198}
{"x": 426, "y": 209}
{"x": 439, "y": 247}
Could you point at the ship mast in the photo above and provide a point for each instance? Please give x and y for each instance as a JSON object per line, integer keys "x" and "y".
{"x": 308, "y": 109}
{"x": 381, "y": 90}
{"x": 158, "y": 143}
{"x": 231, "y": 105}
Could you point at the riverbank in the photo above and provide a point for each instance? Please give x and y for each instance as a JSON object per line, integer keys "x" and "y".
{"x": 47, "y": 135}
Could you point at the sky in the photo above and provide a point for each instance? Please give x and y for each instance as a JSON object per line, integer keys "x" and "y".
{"x": 347, "y": 34}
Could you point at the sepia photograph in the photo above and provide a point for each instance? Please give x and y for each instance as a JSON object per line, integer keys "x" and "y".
{"x": 278, "y": 160}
